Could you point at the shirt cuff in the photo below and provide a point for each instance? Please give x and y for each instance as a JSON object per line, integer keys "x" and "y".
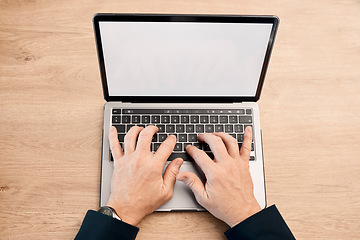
{"x": 100, "y": 226}
{"x": 266, "y": 224}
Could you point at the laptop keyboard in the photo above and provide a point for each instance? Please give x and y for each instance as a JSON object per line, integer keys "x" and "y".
{"x": 185, "y": 124}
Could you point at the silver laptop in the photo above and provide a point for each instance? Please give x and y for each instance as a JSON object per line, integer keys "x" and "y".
{"x": 185, "y": 74}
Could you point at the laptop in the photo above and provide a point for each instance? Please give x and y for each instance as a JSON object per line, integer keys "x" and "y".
{"x": 185, "y": 74}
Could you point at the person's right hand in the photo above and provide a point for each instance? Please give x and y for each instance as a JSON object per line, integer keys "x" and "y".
{"x": 228, "y": 191}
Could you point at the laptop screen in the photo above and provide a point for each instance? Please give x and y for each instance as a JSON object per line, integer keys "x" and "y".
{"x": 183, "y": 59}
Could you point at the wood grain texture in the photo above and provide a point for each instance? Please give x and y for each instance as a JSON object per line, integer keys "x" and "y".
{"x": 51, "y": 108}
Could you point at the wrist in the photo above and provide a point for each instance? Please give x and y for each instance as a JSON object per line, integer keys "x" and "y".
{"x": 126, "y": 215}
{"x": 243, "y": 214}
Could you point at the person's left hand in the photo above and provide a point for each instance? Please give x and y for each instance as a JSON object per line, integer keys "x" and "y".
{"x": 138, "y": 186}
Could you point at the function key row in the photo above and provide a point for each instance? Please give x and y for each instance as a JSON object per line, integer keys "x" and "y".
{"x": 147, "y": 119}
{"x": 181, "y": 111}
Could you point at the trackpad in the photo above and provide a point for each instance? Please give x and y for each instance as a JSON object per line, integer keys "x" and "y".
{"x": 184, "y": 199}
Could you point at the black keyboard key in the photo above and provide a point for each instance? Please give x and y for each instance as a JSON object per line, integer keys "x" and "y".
{"x": 145, "y": 119}
{"x": 233, "y": 135}
{"x": 199, "y": 128}
{"x": 238, "y": 128}
{"x": 182, "y": 138}
{"x": 192, "y": 138}
{"x": 116, "y": 119}
{"x": 155, "y": 119}
{"x": 178, "y": 147}
{"x": 184, "y": 146}
{"x": 156, "y": 146}
{"x": 190, "y": 128}
{"x": 125, "y": 119}
{"x": 175, "y": 119}
{"x": 116, "y": 111}
{"x": 180, "y": 128}
{"x": 121, "y": 137}
{"x": 165, "y": 119}
{"x": 209, "y": 128}
{"x": 184, "y": 156}
{"x": 161, "y": 128}
{"x": 223, "y": 119}
{"x": 240, "y": 137}
{"x": 194, "y": 119}
{"x": 141, "y": 125}
{"x": 229, "y": 128}
{"x": 219, "y": 128}
{"x": 198, "y": 145}
{"x": 204, "y": 119}
{"x": 170, "y": 128}
{"x": 214, "y": 119}
{"x": 206, "y": 147}
{"x": 120, "y": 128}
{"x": 248, "y": 111}
{"x": 162, "y": 137}
{"x": 128, "y": 126}
{"x": 155, "y": 138}
{"x": 252, "y": 158}
{"x": 245, "y": 119}
{"x": 233, "y": 119}
{"x": 185, "y": 119}
{"x": 135, "y": 119}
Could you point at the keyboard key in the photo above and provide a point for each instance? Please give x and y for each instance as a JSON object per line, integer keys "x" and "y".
{"x": 135, "y": 119}
{"x": 155, "y": 119}
{"x": 162, "y": 137}
{"x": 209, "y": 128}
{"x": 128, "y": 126}
{"x": 141, "y": 125}
{"x": 233, "y": 119}
{"x": 120, "y": 128}
{"x": 184, "y": 156}
{"x": 180, "y": 128}
{"x": 206, "y": 147}
{"x": 198, "y": 145}
{"x": 184, "y": 146}
{"x": 121, "y": 137}
{"x": 240, "y": 137}
{"x": 252, "y": 158}
{"x": 204, "y": 119}
{"x": 165, "y": 119}
{"x": 199, "y": 128}
{"x": 161, "y": 128}
{"x": 190, "y": 128}
{"x": 229, "y": 128}
{"x": 192, "y": 138}
{"x": 214, "y": 119}
{"x": 245, "y": 119}
{"x": 116, "y": 119}
{"x": 238, "y": 128}
{"x": 248, "y": 111}
{"x": 175, "y": 119}
{"x": 155, "y": 138}
{"x": 184, "y": 119}
{"x": 178, "y": 147}
{"x": 233, "y": 135}
{"x": 219, "y": 128}
{"x": 182, "y": 138}
{"x": 125, "y": 119}
{"x": 145, "y": 119}
{"x": 170, "y": 128}
{"x": 156, "y": 146}
{"x": 223, "y": 119}
{"x": 116, "y": 111}
{"x": 194, "y": 119}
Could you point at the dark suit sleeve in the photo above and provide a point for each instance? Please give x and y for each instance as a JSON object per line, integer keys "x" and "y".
{"x": 98, "y": 226}
{"x": 264, "y": 225}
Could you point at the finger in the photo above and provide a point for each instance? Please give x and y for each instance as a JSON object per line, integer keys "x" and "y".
{"x": 170, "y": 174}
{"x": 166, "y": 148}
{"x": 130, "y": 139}
{"x": 195, "y": 184}
{"x": 246, "y": 145}
{"x": 201, "y": 158}
{"x": 230, "y": 143}
{"x": 216, "y": 145}
{"x": 115, "y": 147}
{"x": 145, "y": 138}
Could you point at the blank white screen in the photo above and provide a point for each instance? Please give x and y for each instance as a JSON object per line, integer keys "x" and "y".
{"x": 182, "y": 58}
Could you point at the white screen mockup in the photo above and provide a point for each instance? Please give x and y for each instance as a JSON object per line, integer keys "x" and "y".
{"x": 183, "y": 59}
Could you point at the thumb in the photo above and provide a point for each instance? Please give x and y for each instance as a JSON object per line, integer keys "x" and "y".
{"x": 171, "y": 171}
{"x": 195, "y": 184}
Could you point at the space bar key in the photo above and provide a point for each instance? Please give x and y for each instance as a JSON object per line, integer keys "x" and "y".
{"x": 184, "y": 156}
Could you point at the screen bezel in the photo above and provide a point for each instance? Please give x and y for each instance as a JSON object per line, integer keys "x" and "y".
{"x": 110, "y": 17}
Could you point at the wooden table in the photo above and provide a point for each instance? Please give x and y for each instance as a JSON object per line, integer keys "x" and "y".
{"x": 51, "y": 108}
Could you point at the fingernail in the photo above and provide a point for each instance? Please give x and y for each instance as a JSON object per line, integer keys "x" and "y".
{"x": 179, "y": 162}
